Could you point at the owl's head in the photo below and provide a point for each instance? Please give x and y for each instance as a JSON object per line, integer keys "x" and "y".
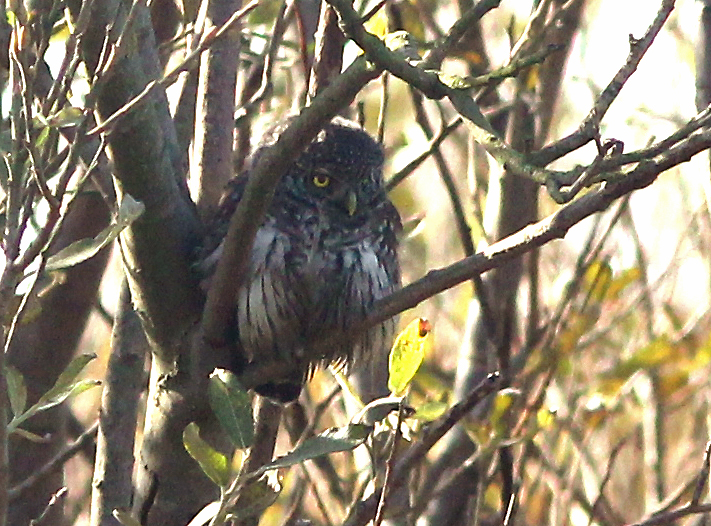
{"x": 340, "y": 172}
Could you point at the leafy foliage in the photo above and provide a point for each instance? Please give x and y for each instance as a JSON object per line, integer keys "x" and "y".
{"x": 498, "y": 124}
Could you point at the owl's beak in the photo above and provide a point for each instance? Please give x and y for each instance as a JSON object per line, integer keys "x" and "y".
{"x": 351, "y": 202}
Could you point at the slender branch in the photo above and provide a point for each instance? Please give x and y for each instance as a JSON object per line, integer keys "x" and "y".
{"x": 703, "y": 476}
{"x": 606, "y": 477}
{"x": 460, "y": 216}
{"x": 526, "y": 166}
{"x": 670, "y": 517}
{"x": 211, "y": 159}
{"x": 433, "y": 58}
{"x": 389, "y": 465}
{"x": 591, "y": 124}
{"x": 153, "y": 86}
{"x": 432, "y": 147}
{"x": 124, "y": 382}
{"x": 514, "y": 67}
{"x": 5, "y": 294}
{"x": 365, "y": 510}
{"x": 265, "y": 87}
{"x": 267, "y": 419}
{"x": 429, "y": 83}
{"x": 538, "y": 234}
{"x": 260, "y": 188}
{"x": 56, "y": 462}
{"x": 328, "y": 51}
{"x": 426, "y": 81}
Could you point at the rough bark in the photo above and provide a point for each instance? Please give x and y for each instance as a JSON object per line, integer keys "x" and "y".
{"x": 112, "y": 485}
{"x": 157, "y": 250}
{"x": 214, "y": 127}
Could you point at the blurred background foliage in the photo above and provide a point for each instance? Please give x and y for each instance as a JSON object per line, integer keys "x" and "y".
{"x": 607, "y": 413}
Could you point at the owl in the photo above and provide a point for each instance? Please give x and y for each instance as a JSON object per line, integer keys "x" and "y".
{"x": 325, "y": 253}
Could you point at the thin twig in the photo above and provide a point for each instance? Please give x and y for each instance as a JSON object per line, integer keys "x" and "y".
{"x": 382, "y": 111}
{"x": 432, "y": 147}
{"x": 171, "y": 76}
{"x": 55, "y": 462}
{"x": 365, "y": 510}
{"x": 434, "y": 57}
{"x": 53, "y": 501}
{"x": 670, "y": 517}
{"x": 703, "y": 477}
{"x": 265, "y": 88}
{"x": 389, "y": 465}
{"x": 606, "y": 478}
{"x": 590, "y": 125}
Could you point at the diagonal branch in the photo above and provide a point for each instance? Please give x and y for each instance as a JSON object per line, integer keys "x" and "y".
{"x": 430, "y": 83}
{"x": 591, "y": 124}
{"x": 259, "y": 191}
{"x": 536, "y": 235}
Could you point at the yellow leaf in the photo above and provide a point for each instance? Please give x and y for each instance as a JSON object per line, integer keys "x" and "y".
{"x": 622, "y": 281}
{"x": 577, "y": 325}
{"x": 546, "y": 418}
{"x": 655, "y": 353}
{"x": 472, "y": 57}
{"x": 430, "y": 411}
{"x": 503, "y": 402}
{"x": 598, "y": 276}
{"x": 378, "y": 23}
{"x": 407, "y": 354}
{"x": 532, "y": 76}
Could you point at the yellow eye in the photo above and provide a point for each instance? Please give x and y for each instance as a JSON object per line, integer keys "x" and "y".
{"x": 321, "y": 180}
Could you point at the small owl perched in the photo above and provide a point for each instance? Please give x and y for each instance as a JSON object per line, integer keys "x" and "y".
{"x": 324, "y": 255}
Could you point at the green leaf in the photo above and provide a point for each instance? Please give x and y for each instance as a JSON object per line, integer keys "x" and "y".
{"x": 16, "y": 390}
{"x": 63, "y": 388}
{"x": 430, "y": 411}
{"x": 68, "y": 116}
{"x": 407, "y": 354}
{"x": 377, "y": 410}
{"x": 83, "y": 249}
{"x": 32, "y": 437}
{"x": 70, "y": 373}
{"x": 213, "y": 463}
{"x": 332, "y": 440}
{"x": 412, "y": 226}
{"x": 232, "y": 406}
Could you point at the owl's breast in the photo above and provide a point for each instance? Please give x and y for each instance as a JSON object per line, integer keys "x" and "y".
{"x": 306, "y": 280}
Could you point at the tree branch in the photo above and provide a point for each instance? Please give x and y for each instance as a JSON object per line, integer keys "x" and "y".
{"x": 147, "y": 165}
{"x": 248, "y": 217}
